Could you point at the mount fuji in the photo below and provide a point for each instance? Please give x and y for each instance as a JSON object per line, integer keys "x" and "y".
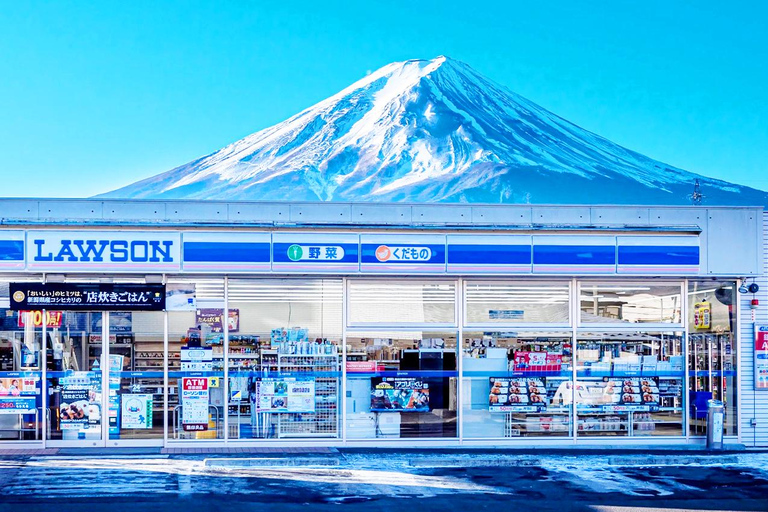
{"x": 432, "y": 131}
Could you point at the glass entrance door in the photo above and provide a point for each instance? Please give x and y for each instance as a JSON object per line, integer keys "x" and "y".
{"x": 75, "y": 358}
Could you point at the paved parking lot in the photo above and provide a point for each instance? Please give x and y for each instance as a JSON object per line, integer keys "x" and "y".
{"x": 386, "y": 481}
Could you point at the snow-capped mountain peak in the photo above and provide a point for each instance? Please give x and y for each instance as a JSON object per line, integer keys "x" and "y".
{"x": 430, "y": 131}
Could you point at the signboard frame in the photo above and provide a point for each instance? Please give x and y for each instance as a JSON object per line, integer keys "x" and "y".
{"x": 760, "y": 357}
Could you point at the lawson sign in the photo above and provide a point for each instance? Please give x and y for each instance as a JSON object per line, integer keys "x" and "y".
{"x": 103, "y": 250}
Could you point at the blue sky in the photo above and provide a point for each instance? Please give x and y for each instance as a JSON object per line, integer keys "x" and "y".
{"x": 97, "y": 95}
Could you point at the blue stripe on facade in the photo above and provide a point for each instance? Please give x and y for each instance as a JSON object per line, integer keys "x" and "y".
{"x": 280, "y": 252}
{"x": 574, "y": 255}
{"x": 437, "y": 257}
{"x": 227, "y": 252}
{"x": 11, "y": 250}
{"x": 658, "y": 255}
{"x": 490, "y": 254}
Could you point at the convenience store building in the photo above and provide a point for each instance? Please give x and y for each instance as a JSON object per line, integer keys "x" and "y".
{"x": 180, "y": 323}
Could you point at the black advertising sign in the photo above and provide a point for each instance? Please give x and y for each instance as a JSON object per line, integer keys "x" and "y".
{"x": 88, "y": 297}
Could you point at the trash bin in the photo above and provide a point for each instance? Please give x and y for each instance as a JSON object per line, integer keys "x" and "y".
{"x": 715, "y": 419}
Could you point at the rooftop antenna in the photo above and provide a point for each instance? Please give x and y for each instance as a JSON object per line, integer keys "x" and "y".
{"x": 696, "y": 197}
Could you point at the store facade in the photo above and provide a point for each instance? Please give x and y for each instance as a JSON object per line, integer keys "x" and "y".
{"x": 163, "y": 323}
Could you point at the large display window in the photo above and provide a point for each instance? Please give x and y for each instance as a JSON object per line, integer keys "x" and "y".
{"x": 712, "y": 353}
{"x": 196, "y": 389}
{"x": 516, "y": 384}
{"x": 136, "y": 377}
{"x": 401, "y": 384}
{"x": 284, "y": 358}
{"x": 517, "y": 302}
{"x": 21, "y": 364}
{"x": 630, "y": 303}
{"x": 401, "y": 302}
{"x": 629, "y": 384}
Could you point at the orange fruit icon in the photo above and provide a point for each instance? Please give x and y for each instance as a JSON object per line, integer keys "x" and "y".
{"x": 383, "y": 253}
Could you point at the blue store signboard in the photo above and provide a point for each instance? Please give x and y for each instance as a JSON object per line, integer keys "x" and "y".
{"x": 349, "y": 252}
{"x": 407, "y": 254}
{"x": 315, "y": 252}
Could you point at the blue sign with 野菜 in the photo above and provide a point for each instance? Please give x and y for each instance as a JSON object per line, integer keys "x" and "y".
{"x": 347, "y": 252}
{"x": 315, "y": 252}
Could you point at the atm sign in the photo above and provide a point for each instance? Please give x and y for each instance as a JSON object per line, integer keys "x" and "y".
{"x": 53, "y": 318}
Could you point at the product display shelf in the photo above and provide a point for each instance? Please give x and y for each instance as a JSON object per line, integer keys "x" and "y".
{"x": 324, "y": 422}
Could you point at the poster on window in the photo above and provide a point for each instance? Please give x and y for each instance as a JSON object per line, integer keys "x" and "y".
{"x": 761, "y": 357}
{"x": 74, "y": 409}
{"x": 288, "y": 395}
{"x": 399, "y": 394}
{"x": 17, "y": 386}
{"x": 517, "y": 395}
{"x": 136, "y": 411}
{"x": 212, "y": 318}
{"x": 618, "y": 395}
{"x": 194, "y": 403}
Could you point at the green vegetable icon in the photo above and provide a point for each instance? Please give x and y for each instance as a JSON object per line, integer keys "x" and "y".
{"x": 295, "y": 252}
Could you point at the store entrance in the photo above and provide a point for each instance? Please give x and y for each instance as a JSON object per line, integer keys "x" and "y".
{"x": 75, "y": 362}
{"x": 105, "y": 379}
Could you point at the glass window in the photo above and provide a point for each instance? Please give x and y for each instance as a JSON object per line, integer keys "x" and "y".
{"x": 284, "y": 358}
{"x": 629, "y": 384}
{"x": 504, "y": 302}
{"x": 516, "y": 384}
{"x": 136, "y": 375}
{"x": 402, "y": 302}
{"x": 628, "y": 303}
{"x": 20, "y": 371}
{"x": 712, "y": 353}
{"x": 75, "y": 365}
{"x": 196, "y": 388}
{"x": 401, "y": 384}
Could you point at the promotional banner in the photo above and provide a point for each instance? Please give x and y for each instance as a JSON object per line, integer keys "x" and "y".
{"x": 517, "y": 395}
{"x": 619, "y": 395}
{"x": 17, "y": 405}
{"x": 194, "y": 403}
{"x": 213, "y": 318}
{"x": 136, "y": 411}
{"x": 90, "y": 296}
{"x": 399, "y": 394}
{"x": 761, "y": 357}
{"x": 17, "y": 386}
{"x": 74, "y": 409}
{"x": 702, "y": 315}
{"x": 53, "y": 318}
{"x": 292, "y": 395}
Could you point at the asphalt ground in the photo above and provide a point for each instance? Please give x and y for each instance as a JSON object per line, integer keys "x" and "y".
{"x": 390, "y": 481}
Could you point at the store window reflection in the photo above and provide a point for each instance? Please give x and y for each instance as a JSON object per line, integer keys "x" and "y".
{"x": 502, "y": 302}
{"x": 285, "y": 358}
{"x": 712, "y": 353}
{"x": 196, "y": 389}
{"x": 629, "y": 384}
{"x": 516, "y": 384}
{"x": 401, "y": 302}
{"x": 401, "y": 384}
{"x": 629, "y": 303}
